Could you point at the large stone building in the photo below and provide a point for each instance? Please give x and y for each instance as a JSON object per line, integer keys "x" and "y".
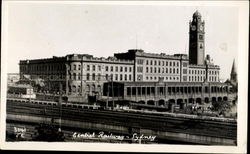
{"x": 82, "y": 75}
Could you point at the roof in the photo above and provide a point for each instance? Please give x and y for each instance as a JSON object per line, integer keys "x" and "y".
{"x": 163, "y": 83}
{"x": 196, "y": 14}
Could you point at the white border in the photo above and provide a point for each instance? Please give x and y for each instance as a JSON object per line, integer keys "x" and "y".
{"x": 69, "y": 146}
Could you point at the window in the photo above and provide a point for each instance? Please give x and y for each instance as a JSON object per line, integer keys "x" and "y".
{"x": 125, "y": 69}
{"x": 121, "y": 69}
{"x": 146, "y": 69}
{"x": 166, "y": 63}
{"x": 130, "y": 77}
{"x": 120, "y": 77}
{"x": 162, "y": 63}
{"x": 173, "y": 70}
{"x": 88, "y": 67}
{"x": 130, "y": 69}
{"x": 184, "y": 71}
{"x": 139, "y": 61}
{"x": 159, "y": 63}
{"x": 177, "y": 63}
{"x": 79, "y": 67}
{"x": 170, "y": 63}
{"x": 151, "y": 70}
{"x": 201, "y": 37}
{"x": 99, "y": 67}
{"x": 170, "y": 70}
{"x": 151, "y": 62}
{"x": 116, "y": 77}
{"x": 159, "y": 70}
{"x": 139, "y": 69}
{"x": 74, "y": 76}
{"x": 79, "y": 88}
{"x": 155, "y": 70}
{"x": 125, "y": 77}
{"x": 111, "y": 77}
{"x": 155, "y": 62}
{"x": 166, "y": 70}
{"x": 93, "y": 67}
{"x": 107, "y": 68}
{"x": 87, "y": 77}
{"x": 74, "y": 67}
{"x": 146, "y": 62}
{"x": 201, "y": 46}
{"x": 107, "y": 77}
{"x": 116, "y": 68}
{"x": 79, "y": 76}
{"x": 70, "y": 76}
{"x": 184, "y": 64}
{"x": 111, "y": 68}
{"x": 173, "y": 63}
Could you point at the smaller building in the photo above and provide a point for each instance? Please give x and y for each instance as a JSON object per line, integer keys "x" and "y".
{"x": 21, "y": 91}
{"x": 167, "y": 95}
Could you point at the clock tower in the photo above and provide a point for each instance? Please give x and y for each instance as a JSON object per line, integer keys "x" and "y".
{"x": 196, "y": 40}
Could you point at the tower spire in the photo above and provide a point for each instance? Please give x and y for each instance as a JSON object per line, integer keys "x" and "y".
{"x": 233, "y": 72}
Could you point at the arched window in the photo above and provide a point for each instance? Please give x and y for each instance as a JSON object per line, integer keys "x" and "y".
{"x": 74, "y": 89}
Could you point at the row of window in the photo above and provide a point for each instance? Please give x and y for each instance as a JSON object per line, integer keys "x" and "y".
{"x": 172, "y": 90}
{"x": 202, "y": 78}
{"x": 196, "y": 78}
{"x": 213, "y": 72}
{"x": 197, "y": 72}
{"x": 111, "y": 68}
{"x": 164, "y": 78}
{"x": 162, "y": 70}
{"x": 42, "y": 68}
{"x": 161, "y": 63}
{"x": 112, "y": 77}
{"x": 203, "y": 72}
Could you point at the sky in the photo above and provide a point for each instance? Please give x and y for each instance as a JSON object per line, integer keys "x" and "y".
{"x": 43, "y": 30}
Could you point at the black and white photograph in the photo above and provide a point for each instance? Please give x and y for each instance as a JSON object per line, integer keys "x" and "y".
{"x": 127, "y": 76}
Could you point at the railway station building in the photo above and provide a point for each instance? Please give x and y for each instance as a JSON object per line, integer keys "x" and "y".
{"x": 83, "y": 75}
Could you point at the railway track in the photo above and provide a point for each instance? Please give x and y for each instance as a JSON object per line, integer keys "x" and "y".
{"x": 129, "y": 119}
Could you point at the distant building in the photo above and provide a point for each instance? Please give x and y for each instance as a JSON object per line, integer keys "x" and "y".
{"x": 12, "y": 78}
{"x": 233, "y": 75}
{"x": 21, "y": 91}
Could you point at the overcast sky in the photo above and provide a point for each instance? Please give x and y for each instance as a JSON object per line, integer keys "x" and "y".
{"x": 44, "y": 30}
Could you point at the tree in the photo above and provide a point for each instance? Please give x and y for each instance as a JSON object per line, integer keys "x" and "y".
{"x": 221, "y": 107}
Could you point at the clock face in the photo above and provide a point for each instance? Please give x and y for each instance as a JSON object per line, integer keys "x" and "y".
{"x": 193, "y": 28}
